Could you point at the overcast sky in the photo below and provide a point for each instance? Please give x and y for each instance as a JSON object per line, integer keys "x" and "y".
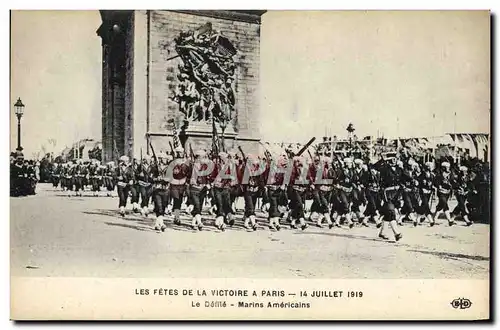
{"x": 400, "y": 73}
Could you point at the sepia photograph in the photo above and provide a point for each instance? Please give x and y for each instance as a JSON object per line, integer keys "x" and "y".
{"x": 250, "y": 164}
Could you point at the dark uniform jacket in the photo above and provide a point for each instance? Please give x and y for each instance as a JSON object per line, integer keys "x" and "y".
{"x": 124, "y": 174}
{"x": 390, "y": 176}
{"x": 426, "y": 181}
{"x": 443, "y": 182}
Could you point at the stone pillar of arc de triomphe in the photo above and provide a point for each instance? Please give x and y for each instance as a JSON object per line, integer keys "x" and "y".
{"x": 141, "y": 74}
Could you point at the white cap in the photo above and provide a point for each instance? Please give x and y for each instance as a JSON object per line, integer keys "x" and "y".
{"x": 463, "y": 168}
{"x": 445, "y": 164}
{"x": 124, "y": 159}
{"x": 358, "y": 161}
{"x": 428, "y": 164}
{"x": 162, "y": 155}
{"x": 254, "y": 159}
{"x": 348, "y": 160}
{"x": 200, "y": 153}
{"x": 326, "y": 159}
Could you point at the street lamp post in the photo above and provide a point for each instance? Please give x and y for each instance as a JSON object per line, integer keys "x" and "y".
{"x": 19, "y": 108}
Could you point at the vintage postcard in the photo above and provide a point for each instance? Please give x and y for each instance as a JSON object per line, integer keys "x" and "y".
{"x": 250, "y": 165}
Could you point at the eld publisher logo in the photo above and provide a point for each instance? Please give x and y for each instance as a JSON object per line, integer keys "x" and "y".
{"x": 461, "y": 303}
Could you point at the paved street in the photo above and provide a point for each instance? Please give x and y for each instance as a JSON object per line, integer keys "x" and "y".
{"x": 55, "y": 235}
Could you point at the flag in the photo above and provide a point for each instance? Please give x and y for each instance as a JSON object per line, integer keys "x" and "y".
{"x": 225, "y": 47}
{"x": 203, "y": 29}
{"x": 176, "y": 140}
{"x": 174, "y": 124}
{"x": 215, "y": 139}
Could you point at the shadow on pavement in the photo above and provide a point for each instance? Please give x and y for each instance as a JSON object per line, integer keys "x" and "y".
{"x": 305, "y": 232}
{"x": 208, "y": 221}
{"x": 449, "y": 255}
{"x": 124, "y": 225}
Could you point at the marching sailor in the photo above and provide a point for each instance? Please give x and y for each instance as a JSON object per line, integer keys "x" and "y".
{"x": 462, "y": 187}
{"x": 345, "y": 188}
{"x": 56, "y": 172}
{"x": 18, "y": 176}
{"x": 426, "y": 185}
{"x": 78, "y": 173}
{"x": 68, "y": 178}
{"x": 390, "y": 180}
{"x": 145, "y": 184}
{"x": 277, "y": 189}
{"x": 199, "y": 184}
{"x": 178, "y": 181}
{"x": 358, "y": 191}
{"x": 409, "y": 187}
{"x": 321, "y": 171}
{"x": 444, "y": 185}
{"x": 125, "y": 179}
{"x": 236, "y": 188}
{"x": 371, "y": 181}
{"x": 298, "y": 186}
{"x": 226, "y": 178}
{"x": 95, "y": 177}
{"x": 134, "y": 187}
{"x": 252, "y": 182}
{"x": 161, "y": 180}
{"x": 109, "y": 178}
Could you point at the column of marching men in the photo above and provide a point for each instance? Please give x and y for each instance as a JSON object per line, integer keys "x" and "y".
{"x": 343, "y": 191}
